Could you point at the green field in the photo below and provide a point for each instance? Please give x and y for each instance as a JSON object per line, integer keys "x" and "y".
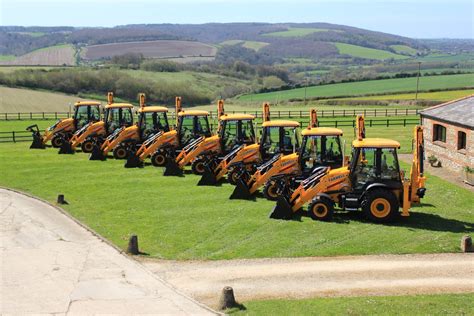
{"x": 441, "y": 304}
{"x": 118, "y": 202}
{"x": 440, "y": 96}
{"x": 404, "y": 49}
{"x": 7, "y": 57}
{"x": 365, "y": 52}
{"x": 437, "y": 57}
{"x": 299, "y": 32}
{"x": 366, "y": 87}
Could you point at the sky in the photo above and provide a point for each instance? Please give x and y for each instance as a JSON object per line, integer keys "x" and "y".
{"x": 417, "y": 18}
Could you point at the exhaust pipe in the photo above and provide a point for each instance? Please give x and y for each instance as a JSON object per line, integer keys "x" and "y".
{"x": 282, "y": 209}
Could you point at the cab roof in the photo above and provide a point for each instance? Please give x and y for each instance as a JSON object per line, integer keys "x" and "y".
{"x": 322, "y": 131}
{"x": 83, "y": 103}
{"x": 376, "y": 143}
{"x": 193, "y": 113}
{"x": 119, "y": 105}
{"x": 280, "y": 123}
{"x": 148, "y": 109}
{"x": 237, "y": 116}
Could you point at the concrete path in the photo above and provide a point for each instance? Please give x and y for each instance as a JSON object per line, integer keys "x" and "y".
{"x": 310, "y": 277}
{"x": 51, "y": 265}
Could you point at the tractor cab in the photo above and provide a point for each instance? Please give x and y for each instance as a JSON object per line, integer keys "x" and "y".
{"x": 191, "y": 125}
{"x": 117, "y": 115}
{"x": 152, "y": 119}
{"x": 378, "y": 167}
{"x": 236, "y": 130}
{"x": 279, "y": 137}
{"x": 322, "y": 146}
{"x": 86, "y": 112}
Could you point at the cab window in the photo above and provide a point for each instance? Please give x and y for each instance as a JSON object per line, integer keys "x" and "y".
{"x": 152, "y": 122}
{"x": 321, "y": 150}
{"x": 290, "y": 140}
{"x": 186, "y": 129}
{"x": 94, "y": 113}
{"x": 118, "y": 117}
{"x": 202, "y": 126}
{"x": 231, "y": 135}
{"x": 271, "y": 141}
{"x": 389, "y": 169}
{"x": 81, "y": 116}
{"x": 365, "y": 169}
{"x": 248, "y": 132}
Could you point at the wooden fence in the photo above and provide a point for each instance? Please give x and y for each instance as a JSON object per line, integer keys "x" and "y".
{"x": 23, "y": 136}
{"x": 11, "y": 116}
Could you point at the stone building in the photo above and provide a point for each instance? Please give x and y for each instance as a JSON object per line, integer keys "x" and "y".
{"x": 448, "y": 133}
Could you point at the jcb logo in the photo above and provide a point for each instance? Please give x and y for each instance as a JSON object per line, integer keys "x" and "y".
{"x": 336, "y": 178}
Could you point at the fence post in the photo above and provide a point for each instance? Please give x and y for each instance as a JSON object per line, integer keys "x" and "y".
{"x": 43, "y": 115}
{"x": 343, "y": 113}
{"x": 6, "y": 116}
{"x": 31, "y": 116}
{"x": 364, "y": 112}
{"x": 55, "y": 115}
{"x": 404, "y": 122}
{"x": 388, "y": 123}
{"x": 336, "y": 123}
{"x": 289, "y": 114}
{"x": 279, "y": 115}
{"x": 19, "y": 116}
{"x": 14, "y": 140}
{"x": 396, "y": 112}
{"x": 301, "y": 114}
{"x": 353, "y": 123}
{"x": 370, "y": 122}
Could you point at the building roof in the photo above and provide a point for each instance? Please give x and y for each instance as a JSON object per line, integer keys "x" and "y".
{"x": 321, "y": 131}
{"x": 457, "y": 112}
{"x": 376, "y": 143}
{"x": 280, "y": 123}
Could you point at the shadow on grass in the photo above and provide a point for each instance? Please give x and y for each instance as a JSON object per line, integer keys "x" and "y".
{"x": 416, "y": 220}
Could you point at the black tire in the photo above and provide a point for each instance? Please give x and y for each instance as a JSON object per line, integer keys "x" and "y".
{"x": 233, "y": 176}
{"x": 87, "y": 146}
{"x": 380, "y": 206}
{"x": 57, "y": 140}
{"x": 120, "y": 152}
{"x": 158, "y": 159}
{"x": 321, "y": 209}
{"x": 198, "y": 166}
{"x": 270, "y": 190}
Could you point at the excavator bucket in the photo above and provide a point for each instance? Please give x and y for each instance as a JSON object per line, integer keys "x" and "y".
{"x": 65, "y": 147}
{"x": 37, "y": 140}
{"x": 282, "y": 209}
{"x": 133, "y": 161}
{"x": 172, "y": 168}
{"x": 97, "y": 153}
{"x": 241, "y": 191}
{"x": 208, "y": 177}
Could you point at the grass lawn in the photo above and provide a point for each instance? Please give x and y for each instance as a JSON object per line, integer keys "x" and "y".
{"x": 175, "y": 219}
{"x": 365, "y": 52}
{"x": 7, "y": 57}
{"x": 299, "y": 32}
{"x": 441, "y": 304}
{"x": 366, "y": 87}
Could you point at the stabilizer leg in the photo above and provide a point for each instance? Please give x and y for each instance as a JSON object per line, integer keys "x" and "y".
{"x": 97, "y": 153}
{"x": 208, "y": 177}
{"x": 37, "y": 142}
{"x": 65, "y": 147}
{"x": 133, "y": 161}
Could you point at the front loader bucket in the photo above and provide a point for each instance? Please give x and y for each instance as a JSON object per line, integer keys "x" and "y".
{"x": 282, "y": 209}
{"x": 37, "y": 142}
{"x": 97, "y": 153}
{"x": 208, "y": 177}
{"x": 172, "y": 168}
{"x": 65, "y": 147}
{"x": 241, "y": 191}
{"x": 133, "y": 161}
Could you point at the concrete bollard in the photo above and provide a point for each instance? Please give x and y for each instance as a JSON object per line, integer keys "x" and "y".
{"x": 133, "y": 245}
{"x": 61, "y": 199}
{"x": 466, "y": 244}
{"x": 227, "y": 299}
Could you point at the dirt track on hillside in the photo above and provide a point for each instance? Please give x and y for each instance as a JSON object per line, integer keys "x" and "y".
{"x": 311, "y": 277}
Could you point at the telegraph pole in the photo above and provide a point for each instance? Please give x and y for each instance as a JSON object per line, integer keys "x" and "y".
{"x": 418, "y": 81}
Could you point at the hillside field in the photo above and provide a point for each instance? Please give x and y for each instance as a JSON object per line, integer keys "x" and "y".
{"x": 365, "y": 52}
{"x": 150, "y": 49}
{"x": 366, "y": 87}
{"x": 51, "y": 56}
{"x": 299, "y": 32}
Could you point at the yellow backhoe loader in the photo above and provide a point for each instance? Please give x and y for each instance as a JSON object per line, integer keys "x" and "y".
{"x": 321, "y": 146}
{"x": 233, "y": 130}
{"x": 116, "y": 115}
{"x": 372, "y": 182}
{"x": 84, "y": 112}
{"x": 151, "y": 120}
{"x": 275, "y": 139}
{"x": 190, "y": 125}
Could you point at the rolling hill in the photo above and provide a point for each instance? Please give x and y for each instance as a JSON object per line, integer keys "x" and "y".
{"x": 58, "y": 55}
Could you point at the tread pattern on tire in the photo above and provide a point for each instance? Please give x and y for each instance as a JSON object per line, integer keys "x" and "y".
{"x": 380, "y": 193}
